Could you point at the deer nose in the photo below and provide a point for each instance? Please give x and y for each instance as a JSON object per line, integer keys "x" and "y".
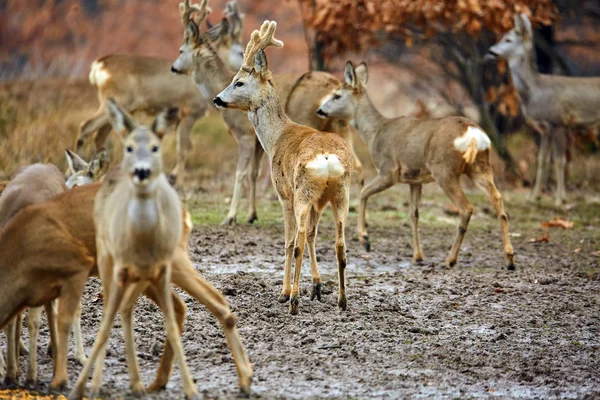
{"x": 321, "y": 113}
{"x": 175, "y": 70}
{"x": 219, "y": 103}
{"x": 142, "y": 173}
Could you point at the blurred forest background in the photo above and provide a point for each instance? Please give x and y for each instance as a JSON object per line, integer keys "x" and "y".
{"x": 425, "y": 58}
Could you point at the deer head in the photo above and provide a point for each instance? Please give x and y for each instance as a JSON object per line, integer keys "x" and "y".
{"x": 83, "y": 173}
{"x": 342, "y": 102}
{"x": 142, "y": 161}
{"x": 516, "y": 43}
{"x": 202, "y": 46}
{"x": 250, "y": 86}
{"x": 236, "y": 29}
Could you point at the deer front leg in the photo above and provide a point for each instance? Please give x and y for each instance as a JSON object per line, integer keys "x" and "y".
{"x": 378, "y": 184}
{"x": 252, "y": 177}
{"x": 183, "y": 146}
{"x": 52, "y": 328}
{"x": 415, "y": 199}
{"x": 313, "y": 224}
{"x": 559, "y": 152}
{"x": 245, "y": 152}
{"x": 79, "y": 350}
{"x": 289, "y": 222}
{"x": 187, "y": 279}
{"x": 2, "y": 364}
{"x": 34, "y": 317}
{"x": 542, "y": 160}
{"x": 12, "y": 343}
{"x": 301, "y": 210}
{"x": 166, "y": 302}
{"x": 133, "y": 368}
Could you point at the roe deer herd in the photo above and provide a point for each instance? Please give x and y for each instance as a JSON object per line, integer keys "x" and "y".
{"x": 128, "y": 226}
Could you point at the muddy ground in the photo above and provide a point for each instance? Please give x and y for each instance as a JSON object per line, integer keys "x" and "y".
{"x": 476, "y": 331}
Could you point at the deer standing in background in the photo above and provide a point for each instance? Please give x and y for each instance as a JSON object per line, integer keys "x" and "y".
{"x": 138, "y": 218}
{"x": 301, "y": 96}
{"x": 309, "y": 169}
{"x": 552, "y": 105}
{"x": 418, "y": 151}
{"x": 140, "y": 83}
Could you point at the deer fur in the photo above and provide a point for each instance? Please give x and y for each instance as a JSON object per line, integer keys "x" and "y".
{"x": 553, "y": 105}
{"x": 300, "y": 96}
{"x": 309, "y": 168}
{"x": 139, "y": 233}
{"x": 418, "y": 151}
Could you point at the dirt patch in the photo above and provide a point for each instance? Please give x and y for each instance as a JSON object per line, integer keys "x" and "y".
{"x": 419, "y": 331}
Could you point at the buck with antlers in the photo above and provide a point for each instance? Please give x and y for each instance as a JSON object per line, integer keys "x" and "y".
{"x": 138, "y": 218}
{"x": 418, "y": 151}
{"x": 300, "y": 96}
{"x": 146, "y": 84}
{"x": 309, "y": 169}
{"x": 552, "y": 105}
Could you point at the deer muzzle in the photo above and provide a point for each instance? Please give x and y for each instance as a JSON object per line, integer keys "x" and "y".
{"x": 219, "y": 103}
{"x": 322, "y": 113}
{"x": 141, "y": 173}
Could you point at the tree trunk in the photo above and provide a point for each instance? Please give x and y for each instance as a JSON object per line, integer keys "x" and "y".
{"x": 317, "y": 59}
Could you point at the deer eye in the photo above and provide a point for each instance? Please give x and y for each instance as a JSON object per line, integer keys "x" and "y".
{"x": 154, "y": 149}
{"x": 509, "y": 40}
{"x": 129, "y": 149}
{"x": 239, "y": 84}
{"x": 336, "y": 97}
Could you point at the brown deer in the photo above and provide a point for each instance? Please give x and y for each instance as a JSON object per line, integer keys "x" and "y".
{"x": 146, "y": 84}
{"x": 300, "y": 97}
{"x": 33, "y": 184}
{"x": 418, "y": 151}
{"x": 309, "y": 169}
{"x": 138, "y": 218}
{"x": 552, "y": 105}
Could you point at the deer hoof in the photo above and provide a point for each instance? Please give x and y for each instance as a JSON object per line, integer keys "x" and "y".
{"x": 343, "y": 303}
{"x": 156, "y": 387}
{"x": 228, "y": 221}
{"x": 283, "y": 298}
{"x": 252, "y": 217}
{"x": 59, "y": 385}
{"x": 138, "y": 390}
{"x": 193, "y": 396}
{"x": 364, "y": 240}
{"x": 11, "y": 381}
{"x": 316, "y": 291}
{"x": 295, "y": 305}
{"x": 448, "y": 264}
{"x": 31, "y": 383}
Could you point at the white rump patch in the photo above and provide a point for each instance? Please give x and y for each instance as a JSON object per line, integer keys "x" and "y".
{"x": 326, "y": 166}
{"x": 482, "y": 140}
{"x": 98, "y": 75}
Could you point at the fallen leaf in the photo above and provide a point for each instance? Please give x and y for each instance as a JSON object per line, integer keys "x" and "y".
{"x": 545, "y": 238}
{"x": 498, "y": 290}
{"x": 558, "y": 222}
{"x": 577, "y": 250}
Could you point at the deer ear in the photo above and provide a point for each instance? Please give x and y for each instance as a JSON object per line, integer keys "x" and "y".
{"x": 75, "y": 162}
{"x": 218, "y": 31}
{"x": 164, "y": 120}
{"x": 526, "y": 28}
{"x": 99, "y": 164}
{"x": 260, "y": 62}
{"x": 362, "y": 73}
{"x": 350, "y": 74}
{"x": 192, "y": 32}
{"x": 120, "y": 120}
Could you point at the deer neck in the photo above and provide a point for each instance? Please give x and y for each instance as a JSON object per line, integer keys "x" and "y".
{"x": 367, "y": 120}
{"x": 212, "y": 77}
{"x": 524, "y": 75}
{"x": 143, "y": 211}
{"x": 269, "y": 119}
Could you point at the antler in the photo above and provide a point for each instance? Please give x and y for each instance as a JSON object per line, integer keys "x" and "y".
{"x": 233, "y": 13}
{"x": 186, "y": 10}
{"x": 261, "y": 40}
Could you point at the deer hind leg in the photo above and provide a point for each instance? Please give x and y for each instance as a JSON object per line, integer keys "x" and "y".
{"x": 52, "y": 328}
{"x": 79, "y": 350}
{"x": 415, "y": 199}
{"x": 187, "y": 279}
{"x": 313, "y": 224}
{"x": 166, "y": 360}
{"x": 166, "y": 304}
{"x": 245, "y": 152}
{"x": 301, "y": 211}
{"x": 252, "y": 177}
{"x": 88, "y": 127}
{"x": 340, "y": 213}
{"x": 12, "y": 346}
{"x": 378, "y": 184}
{"x": 34, "y": 317}
{"x": 451, "y": 186}
{"x": 133, "y": 368}
{"x": 2, "y": 364}
{"x": 184, "y": 145}
{"x": 289, "y": 221}
{"x": 542, "y": 161}
{"x": 559, "y": 153}
{"x": 485, "y": 181}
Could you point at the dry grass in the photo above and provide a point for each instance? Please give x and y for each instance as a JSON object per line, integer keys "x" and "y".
{"x": 39, "y": 120}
